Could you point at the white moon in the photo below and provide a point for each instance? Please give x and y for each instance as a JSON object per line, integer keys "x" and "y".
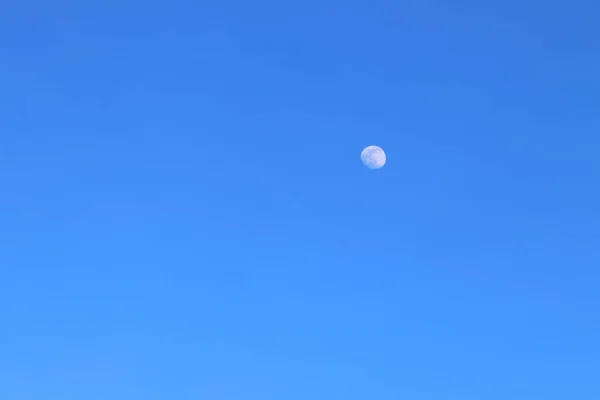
{"x": 373, "y": 157}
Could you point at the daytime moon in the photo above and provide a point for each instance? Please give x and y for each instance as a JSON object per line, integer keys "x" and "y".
{"x": 373, "y": 157}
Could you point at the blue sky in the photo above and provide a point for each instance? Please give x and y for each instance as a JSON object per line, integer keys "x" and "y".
{"x": 184, "y": 214}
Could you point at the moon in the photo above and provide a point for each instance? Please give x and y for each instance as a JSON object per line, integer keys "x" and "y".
{"x": 373, "y": 157}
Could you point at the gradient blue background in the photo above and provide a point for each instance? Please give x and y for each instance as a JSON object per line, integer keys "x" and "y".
{"x": 184, "y": 214}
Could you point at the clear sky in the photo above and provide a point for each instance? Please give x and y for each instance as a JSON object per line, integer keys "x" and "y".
{"x": 184, "y": 214}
